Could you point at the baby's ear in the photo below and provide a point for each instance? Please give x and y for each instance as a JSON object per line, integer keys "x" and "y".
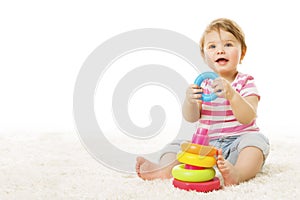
{"x": 242, "y": 55}
{"x": 203, "y": 55}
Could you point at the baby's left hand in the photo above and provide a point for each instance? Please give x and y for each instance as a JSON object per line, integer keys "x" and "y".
{"x": 223, "y": 88}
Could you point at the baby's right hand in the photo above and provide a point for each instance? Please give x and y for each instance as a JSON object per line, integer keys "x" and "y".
{"x": 193, "y": 94}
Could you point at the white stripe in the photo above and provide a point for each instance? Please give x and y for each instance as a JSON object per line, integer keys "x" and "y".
{"x": 216, "y": 108}
{"x": 248, "y": 91}
{"x": 223, "y": 125}
{"x": 217, "y": 118}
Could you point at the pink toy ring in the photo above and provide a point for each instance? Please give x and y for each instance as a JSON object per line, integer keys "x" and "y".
{"x": 199, "y": 187}
{"x": 192, "y": 167}
{"x": 198, "y": 149}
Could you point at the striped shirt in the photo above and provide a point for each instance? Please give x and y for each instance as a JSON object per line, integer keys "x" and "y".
{"x": 217, "y": 115}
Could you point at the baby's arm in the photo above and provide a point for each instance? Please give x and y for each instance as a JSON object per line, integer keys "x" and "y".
{"x": 244, "y": 108}
{"x": 192, "y": 103}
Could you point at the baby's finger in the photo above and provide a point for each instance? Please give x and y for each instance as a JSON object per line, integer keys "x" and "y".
{"x": 216, "y": 82}
{"x": 192, "y": 91}
{"x": 197, "y": 91}
{"x": 219, "y": 92}
{"x": 194, "y": 98}
{"x": 198, "y": 101}
{"x": 218, "y": 88}
{"x": 195, "y": 86}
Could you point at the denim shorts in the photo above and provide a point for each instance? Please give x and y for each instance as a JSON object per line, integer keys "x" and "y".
{"x": 231, "y": 146}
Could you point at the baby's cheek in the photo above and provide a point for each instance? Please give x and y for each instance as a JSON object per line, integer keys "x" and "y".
{"x": 208, "y": 58}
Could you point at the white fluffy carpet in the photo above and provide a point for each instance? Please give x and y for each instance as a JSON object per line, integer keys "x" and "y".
{"x": 56, "y": 166}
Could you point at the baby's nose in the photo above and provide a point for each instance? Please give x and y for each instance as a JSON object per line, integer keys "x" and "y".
{"x": 220, "y": 51}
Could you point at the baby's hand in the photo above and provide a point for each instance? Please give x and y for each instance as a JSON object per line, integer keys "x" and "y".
{"x": 193, "y": 94}
{"x": 223, "y": 88}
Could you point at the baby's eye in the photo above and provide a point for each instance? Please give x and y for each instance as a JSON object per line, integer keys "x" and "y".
{"x": 228, "y": 45}
{"x": 212, "y": 46}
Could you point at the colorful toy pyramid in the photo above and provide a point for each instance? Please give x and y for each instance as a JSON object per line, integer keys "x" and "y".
{"x": 198, "y": 158}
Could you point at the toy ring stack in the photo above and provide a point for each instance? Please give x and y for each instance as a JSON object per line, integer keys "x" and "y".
{"x": 198, "y": 158}
{"x": 200, "y": 79}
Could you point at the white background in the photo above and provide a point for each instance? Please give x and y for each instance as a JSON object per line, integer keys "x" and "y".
{"x": 44, "y": 44}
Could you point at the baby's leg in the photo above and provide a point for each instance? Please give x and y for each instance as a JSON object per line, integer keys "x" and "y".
{"x": 248, "y": 164}
{"x": 148, "y": 170}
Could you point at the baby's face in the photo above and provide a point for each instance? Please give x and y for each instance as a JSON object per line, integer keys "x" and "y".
{"x": 222, "y": 51}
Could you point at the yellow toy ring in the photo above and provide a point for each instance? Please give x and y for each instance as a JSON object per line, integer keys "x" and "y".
{"x": 182, "y": 174}
{"x": 198, "y": 149}
{"x": 196, "y": 160}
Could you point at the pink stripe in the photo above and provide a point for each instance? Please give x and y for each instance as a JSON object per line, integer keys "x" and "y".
{"x": 211, "y": 103}
{"x": 217, "y": 135}
{"x": 242, "y": 79}
{"x": 235, "y": 129}
{"x": 220, "y": 132}
{"x": 217, "y": 113}
{"x": 249, "y": 85}
{"x": 240, "y": 82}
{"x": 212, "y": 122}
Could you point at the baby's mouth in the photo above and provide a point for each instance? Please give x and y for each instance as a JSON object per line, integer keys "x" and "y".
{"x": 221, "y": 61}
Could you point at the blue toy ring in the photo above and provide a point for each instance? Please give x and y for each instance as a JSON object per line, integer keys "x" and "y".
{"x": 200, "y": 79}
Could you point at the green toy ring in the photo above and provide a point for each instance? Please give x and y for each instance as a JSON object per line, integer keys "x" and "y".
{"x": 182, "y": 174}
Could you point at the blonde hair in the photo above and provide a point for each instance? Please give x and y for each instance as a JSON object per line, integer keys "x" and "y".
{"x": 228, "y": 26}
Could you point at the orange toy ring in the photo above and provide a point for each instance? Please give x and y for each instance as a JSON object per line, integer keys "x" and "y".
{"x": 196, "y": 160}
{"x": 198, "y": 149}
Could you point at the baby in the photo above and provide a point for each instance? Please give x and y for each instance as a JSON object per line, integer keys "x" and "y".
{"x": 230, "y": 119}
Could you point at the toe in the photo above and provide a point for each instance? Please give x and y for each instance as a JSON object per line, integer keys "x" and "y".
{"x": 139, "y": 162}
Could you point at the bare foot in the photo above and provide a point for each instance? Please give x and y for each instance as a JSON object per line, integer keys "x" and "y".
{"x": 229, "y": 173}
{"x": 148, "y": 170}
